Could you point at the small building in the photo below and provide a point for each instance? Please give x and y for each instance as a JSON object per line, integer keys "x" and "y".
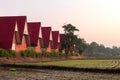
{"x": 46, "y": 39}
{"x": 56, "y": 40}
{"x": 9, "y": 34}
{"x": 23, "y": 32}
{"x": 33, "y": 29}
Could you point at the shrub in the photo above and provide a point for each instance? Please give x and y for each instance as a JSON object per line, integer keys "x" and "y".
{"x": 57, "y": 54}
{"x": 22, "y": 53}
{"x": 11, "y": 53}
{"x": 30, "y": 53}
{"x": 74, "y": 54}
{"x": 61, "y": 54}
{"x": 3, "y": 53}
{"x": 46, "y": 54}
{"x": 52, "y": 54}
{"x": 38, "y": 55}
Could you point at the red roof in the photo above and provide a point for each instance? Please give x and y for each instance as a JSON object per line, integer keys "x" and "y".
{"x": 33, "y": 29}
{"x": 7, "y": 28}
{"x": 46, "y": 35}
{"x": 61, "y": 39}
{"x": 55, "y": 35}
{"x": 21, "y": 20}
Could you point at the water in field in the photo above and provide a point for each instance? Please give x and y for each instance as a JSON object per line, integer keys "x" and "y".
{"x": 54, "y": 75}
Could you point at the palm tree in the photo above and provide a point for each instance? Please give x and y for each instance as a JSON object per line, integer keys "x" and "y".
{"x": 70, "y": 37}
{"x": 70, "y": 28}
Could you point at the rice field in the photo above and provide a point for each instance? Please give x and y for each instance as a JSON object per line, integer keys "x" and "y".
{"x": 43, "y": 74}
{"x": 98, "y": 64}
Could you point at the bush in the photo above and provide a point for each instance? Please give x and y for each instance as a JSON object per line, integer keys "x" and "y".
{"x": 52, "y": 54}
{"x": 61, "y": 54}
{"x": 57, "y": 54}
{"x": 37, "y": 54}
{"x": 26, "y": 53}
{"x": 11, "y": 53}
{"x": 46, "y": 54}
{"x": 74, "y": 54}
{"x": 7, "y": 53}
{"x": 30, "y": 53}
{"x": 3, "y": 53}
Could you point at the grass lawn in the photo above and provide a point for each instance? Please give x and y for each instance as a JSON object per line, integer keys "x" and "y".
{"x": 100, "y": 64}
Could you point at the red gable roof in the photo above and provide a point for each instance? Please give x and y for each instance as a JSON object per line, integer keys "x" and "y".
{"x": 61, "y": 39}
{"x": 7, "y": 28}
{"x": 21, "y": 25}
{"x": 46, "y": 35}
{"x": 33, "y": 29}
{"x": 55, "y": 35}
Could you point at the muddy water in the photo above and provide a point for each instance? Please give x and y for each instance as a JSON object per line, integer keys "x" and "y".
{"x": 54, "y": 75}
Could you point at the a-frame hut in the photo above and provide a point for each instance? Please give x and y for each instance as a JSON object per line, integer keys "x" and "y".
{"x": 9, "y": 33}
{"x": 46, "y": 39}
{"x": 33, "y": 29}
{"x": 23, "y": 32}
{"x": 56, "y": 40}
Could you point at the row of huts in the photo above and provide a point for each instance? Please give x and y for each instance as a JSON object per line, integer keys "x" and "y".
{"x": 18, "y": 34}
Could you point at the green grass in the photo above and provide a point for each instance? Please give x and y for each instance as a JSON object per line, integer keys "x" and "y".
{"x": 100, "y": 64}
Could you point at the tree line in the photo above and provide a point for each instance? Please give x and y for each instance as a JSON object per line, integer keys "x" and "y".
{"x": 100, "y": 51}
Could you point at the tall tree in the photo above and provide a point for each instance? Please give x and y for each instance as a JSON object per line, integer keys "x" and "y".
{"x": 69, "y": 28}
{"x": 70, "y": 38}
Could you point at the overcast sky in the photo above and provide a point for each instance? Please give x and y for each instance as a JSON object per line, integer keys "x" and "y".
{"x": 97, "y": 20}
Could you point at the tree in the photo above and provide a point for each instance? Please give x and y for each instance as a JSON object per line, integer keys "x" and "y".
{"x": 80, "y": 45}
{"x": 70, "y": 38}
{"x": 69, "y": 28}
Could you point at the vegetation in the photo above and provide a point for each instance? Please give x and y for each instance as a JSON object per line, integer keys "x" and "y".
{"x": 3, "y": 53}
{"x": 80, "y": 45}
{"x": 100, "y": 51}
{"x": 12, "y": 53}
{"x": 97, "y": 64}
{"x": 93, "y": 50}
{"x": 7, "y": 53}
{"x": 52, "y": 54}
{"x": 29, "y": 53}
{"x": 32, "y": 53}
{"x": 71, "y": 41}
{"x": 70, "y": 38}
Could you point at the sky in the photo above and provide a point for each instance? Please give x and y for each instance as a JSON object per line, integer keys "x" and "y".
{"x": 97, "y": 20}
